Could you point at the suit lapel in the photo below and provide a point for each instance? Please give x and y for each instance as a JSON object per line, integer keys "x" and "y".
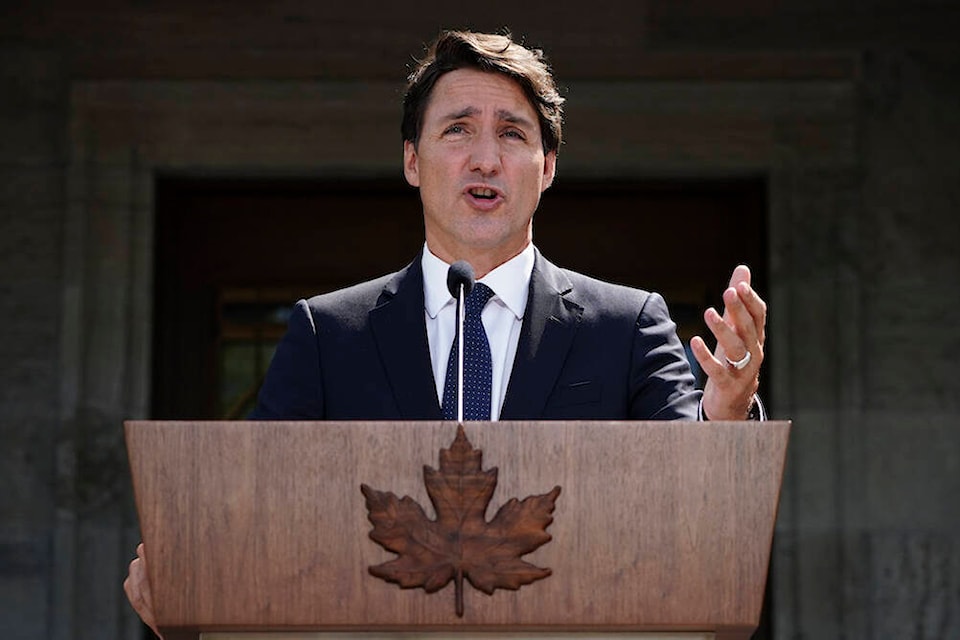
{"x": 549, "y": 325}
{"x": 400, "y": 331}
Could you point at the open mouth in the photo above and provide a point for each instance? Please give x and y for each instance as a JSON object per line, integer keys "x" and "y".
{"x": 483, "y": 194}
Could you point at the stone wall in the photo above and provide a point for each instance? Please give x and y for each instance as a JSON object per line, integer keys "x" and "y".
{"x": 851, "y": 111}
{"x": 33, "y": 157}
{"x": 902, "y": 531}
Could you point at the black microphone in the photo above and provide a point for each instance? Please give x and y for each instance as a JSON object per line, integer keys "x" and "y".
{"x": 460, "y": 280}
{"x": 460, "y": 275}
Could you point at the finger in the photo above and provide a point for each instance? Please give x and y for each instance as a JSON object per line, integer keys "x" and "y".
{"x": 132, "y": 585}
{"x": 711, "y": 365}
{"x": 128, "y": 589}
{"x": 740, "y": 320}
{"x": 729, "y": 343}
{"x": 740, "y": 274}
{"x": 757, "y": 308}
{"x": 146, "y": 607}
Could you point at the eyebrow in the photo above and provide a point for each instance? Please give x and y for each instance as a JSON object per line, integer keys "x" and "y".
{"x": 463, "y": 113}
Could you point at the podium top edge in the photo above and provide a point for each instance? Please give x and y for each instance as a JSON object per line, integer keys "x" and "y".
{"x": 477, "y": 423}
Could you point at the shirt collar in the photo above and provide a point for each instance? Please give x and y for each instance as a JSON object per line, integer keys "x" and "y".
{"x": 510, "y": 282}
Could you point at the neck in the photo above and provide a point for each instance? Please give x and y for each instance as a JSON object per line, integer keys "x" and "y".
{"x": 482, "y": 261}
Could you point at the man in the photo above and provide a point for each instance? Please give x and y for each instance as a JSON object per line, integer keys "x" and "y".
{"x": 481, "y": 132}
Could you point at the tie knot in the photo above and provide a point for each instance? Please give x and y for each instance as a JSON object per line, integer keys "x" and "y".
{"x": 478, "y": 298}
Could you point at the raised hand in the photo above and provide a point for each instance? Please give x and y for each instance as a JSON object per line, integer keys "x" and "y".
{"x": 733, "y": 369}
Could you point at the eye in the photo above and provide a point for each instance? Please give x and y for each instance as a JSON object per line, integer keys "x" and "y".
{"x": 514, "y": 133}
{"x": 454, "y": 129}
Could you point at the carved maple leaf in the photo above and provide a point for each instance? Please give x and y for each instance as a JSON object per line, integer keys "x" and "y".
{"x": 460, "y": 542}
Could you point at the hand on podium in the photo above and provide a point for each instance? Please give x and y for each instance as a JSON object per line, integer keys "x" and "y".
{"x": 137, "y": 588}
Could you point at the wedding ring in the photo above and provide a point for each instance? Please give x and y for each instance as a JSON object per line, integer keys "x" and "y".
{"x": 741, "y": 363}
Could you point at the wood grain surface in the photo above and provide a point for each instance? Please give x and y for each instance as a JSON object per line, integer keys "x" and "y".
{"x": 261, "y": 525}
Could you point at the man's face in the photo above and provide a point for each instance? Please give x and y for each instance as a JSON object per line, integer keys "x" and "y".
{"x": 479, "y": 165}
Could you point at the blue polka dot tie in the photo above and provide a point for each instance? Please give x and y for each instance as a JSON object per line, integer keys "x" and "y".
{"x": 477, "y": 367}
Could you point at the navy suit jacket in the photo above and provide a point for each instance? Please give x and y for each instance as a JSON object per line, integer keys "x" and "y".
{"x": 587, "y": 350}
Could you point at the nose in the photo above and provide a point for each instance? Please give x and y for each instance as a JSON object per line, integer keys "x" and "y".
{"x": 485, "y": 155}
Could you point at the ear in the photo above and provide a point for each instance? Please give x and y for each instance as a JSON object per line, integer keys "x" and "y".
{"x": 549, "y": 170}
{"x": 411, "y": 166}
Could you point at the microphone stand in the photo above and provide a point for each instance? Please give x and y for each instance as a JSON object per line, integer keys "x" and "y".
{"x": 461, "y": 318}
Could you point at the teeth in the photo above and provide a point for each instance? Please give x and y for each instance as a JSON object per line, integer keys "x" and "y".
{"x": 482, "y": 193}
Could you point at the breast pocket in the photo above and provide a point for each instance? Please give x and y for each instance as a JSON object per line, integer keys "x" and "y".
{"x": 571, "y": 394}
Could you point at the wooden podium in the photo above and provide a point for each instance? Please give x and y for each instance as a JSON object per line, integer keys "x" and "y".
{"x": 260, "y": 529}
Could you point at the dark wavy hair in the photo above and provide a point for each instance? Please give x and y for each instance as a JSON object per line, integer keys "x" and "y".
{"x": 492, "y": 53}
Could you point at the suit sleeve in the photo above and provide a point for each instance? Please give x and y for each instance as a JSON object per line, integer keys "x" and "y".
{"x": 293, "y": 389}
{"x": 662, "y": 385}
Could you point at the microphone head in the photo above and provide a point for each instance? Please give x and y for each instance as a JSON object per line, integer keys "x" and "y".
{"x": 460, "y": 274}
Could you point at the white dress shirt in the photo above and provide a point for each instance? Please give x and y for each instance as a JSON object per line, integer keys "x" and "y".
{"x": 502, "y": 318}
